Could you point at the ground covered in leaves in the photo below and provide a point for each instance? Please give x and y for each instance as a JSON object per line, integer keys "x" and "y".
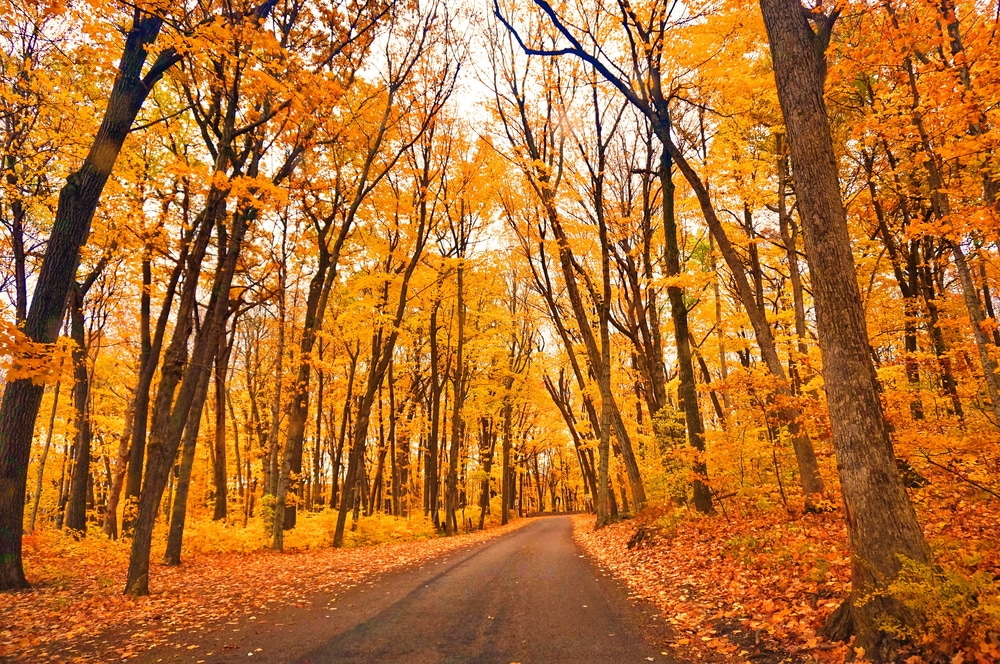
{"x": 76, "y": 596}
{"x": 754, "y": 585}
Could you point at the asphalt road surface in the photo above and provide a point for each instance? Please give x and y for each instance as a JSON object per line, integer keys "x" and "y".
{"x": 528, "y": 597}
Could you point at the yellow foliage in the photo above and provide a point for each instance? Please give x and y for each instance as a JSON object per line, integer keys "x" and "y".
{"x": 22, "y": 358}
{"x": 959, "y": 614}
{"x": 312, "y": 531}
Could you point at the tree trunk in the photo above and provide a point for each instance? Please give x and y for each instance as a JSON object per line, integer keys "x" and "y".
{"x": 76, "y": 505}
{"x": 298, "y": 411}
{"x": 687, "y": 391}
{"x": 395, "y": 462}
{"x": 171, "y": 415}
{"x": 342, "y": 437}
{"x": 148, "y": 359}
{"x": 178, "y": 512}
{"x": 316, "y": 498}
{"x": 271, "y": 466}
{"x": 506, "y": 485}
{"x": 487, "y": 447}
{"x": 881, "y": 523}
{"x": 219, "y": 468}
{"x": 431, "y": 479}
{"x": 457, "y": 417}
{"x": 45, "y": 454}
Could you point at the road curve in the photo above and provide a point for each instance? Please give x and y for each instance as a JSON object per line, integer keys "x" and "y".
{"x": 529, "y": 597}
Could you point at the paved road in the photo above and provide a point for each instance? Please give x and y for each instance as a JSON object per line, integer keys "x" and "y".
{"x": 528, "y": 597}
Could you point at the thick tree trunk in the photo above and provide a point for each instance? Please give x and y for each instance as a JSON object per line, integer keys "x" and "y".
{"x": 881, "y": 523}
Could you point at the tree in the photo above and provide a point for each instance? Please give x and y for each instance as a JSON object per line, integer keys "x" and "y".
{"x": 78, "y": 200}
{"x": 238, "y": 152}
{"x": 882, "y": 526}
{"x": 643, "y": 82}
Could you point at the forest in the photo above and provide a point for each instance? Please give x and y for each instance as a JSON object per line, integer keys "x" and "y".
{"x": 299, "y": 274}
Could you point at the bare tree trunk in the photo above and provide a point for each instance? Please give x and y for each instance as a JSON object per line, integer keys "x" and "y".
{"x": 395, "y": 463}
{"x": 506, "y": 485}
{"x": 316, "y": 498}
{"x": 457, "y": 417}
{"x": 431, "y": 479}
{"x": 76, "y": 505}
{"x": 271, "y": 466}
{"x": 335, "y": 498}
{"x": 219, "y": 469}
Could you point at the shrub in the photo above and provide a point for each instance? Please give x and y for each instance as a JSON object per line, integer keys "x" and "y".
{"x": 960, "y": 615}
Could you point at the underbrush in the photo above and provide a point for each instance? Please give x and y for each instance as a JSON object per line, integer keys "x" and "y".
{"x": 960, "y": 614}
{"x": 313, "y": 530}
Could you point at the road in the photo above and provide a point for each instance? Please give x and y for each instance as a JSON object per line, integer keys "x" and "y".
{"x": 528, "y": 597}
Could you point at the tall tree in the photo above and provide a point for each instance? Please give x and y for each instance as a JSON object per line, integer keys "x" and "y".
{"x": 77, "y": 202}
{"x": 881, "y": 523}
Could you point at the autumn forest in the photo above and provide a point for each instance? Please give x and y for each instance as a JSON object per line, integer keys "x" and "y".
{"x": 323, "y": 276}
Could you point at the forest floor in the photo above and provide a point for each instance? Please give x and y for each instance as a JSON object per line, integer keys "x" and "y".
{"x": 76, "y": 611}
{"x": 757, "y": 585}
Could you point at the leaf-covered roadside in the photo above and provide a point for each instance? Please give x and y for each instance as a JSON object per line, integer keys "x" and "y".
{"x": 759, "y": 586}
{"x": 77, "y": 598}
